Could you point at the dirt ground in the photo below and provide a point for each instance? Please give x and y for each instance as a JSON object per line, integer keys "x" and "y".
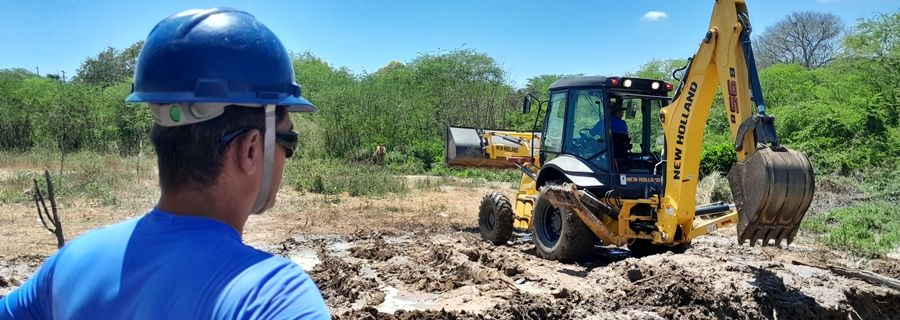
{"x": 419, "y": 256}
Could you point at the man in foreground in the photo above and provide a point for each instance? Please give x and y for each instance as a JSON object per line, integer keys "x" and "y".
{"x": 219, "y": 85}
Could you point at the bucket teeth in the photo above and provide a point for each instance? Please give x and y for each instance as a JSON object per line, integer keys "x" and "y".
{"x": 772, "y": 191}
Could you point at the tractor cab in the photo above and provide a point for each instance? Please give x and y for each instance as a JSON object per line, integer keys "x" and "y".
{"x": 610, "y": 125}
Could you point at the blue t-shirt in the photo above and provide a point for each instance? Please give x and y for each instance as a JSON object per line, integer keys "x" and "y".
{"x": 165, "y": 266}
{"x": 618, "y": 125}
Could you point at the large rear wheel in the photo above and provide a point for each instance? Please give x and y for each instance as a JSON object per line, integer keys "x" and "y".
{"x": 559, "y": 234}
{"x": 495, "y": 218}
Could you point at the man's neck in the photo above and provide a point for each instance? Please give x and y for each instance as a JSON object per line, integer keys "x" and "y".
{"x": 203, "y": 204}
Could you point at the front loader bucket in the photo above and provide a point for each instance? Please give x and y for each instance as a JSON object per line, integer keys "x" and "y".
{"x": 467, "y": 147}
{"x": 772, "y": 191}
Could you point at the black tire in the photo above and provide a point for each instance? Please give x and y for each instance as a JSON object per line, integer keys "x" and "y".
{"x": 495, "y": 218}
{"x": 559, "y": 234}
{"x": 643, "y": 247}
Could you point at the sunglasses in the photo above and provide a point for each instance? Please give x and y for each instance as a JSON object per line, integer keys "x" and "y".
{"x": 287, "y": 140}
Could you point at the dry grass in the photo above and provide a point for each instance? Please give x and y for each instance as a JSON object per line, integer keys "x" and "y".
{"x": 298, "y": 213}
{"x": 118, "y": 193}
{"x": 714, "y": 187}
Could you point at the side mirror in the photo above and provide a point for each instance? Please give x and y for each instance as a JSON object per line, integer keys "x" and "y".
{"x": 526, "y": 104}
{"x": 630, "y": 110}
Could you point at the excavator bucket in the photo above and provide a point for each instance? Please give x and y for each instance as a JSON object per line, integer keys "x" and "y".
{"x": 772, "y": 190}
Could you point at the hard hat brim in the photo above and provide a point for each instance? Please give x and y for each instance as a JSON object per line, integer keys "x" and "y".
{"x": 293, "y": 104}
{"x": 298, "y": 104}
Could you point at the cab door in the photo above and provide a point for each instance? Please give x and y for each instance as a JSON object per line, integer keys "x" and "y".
{"x": 554, "y": 126}
{"x": 587, "y": 136}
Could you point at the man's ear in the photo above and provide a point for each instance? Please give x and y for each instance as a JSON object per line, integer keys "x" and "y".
{"x": 246, "y": 151}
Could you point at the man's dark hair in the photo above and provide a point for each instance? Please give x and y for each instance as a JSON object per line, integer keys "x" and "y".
{"x": 192, "y": 155}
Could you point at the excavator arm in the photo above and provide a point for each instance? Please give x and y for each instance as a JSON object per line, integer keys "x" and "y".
{"x": 772, "y": 185}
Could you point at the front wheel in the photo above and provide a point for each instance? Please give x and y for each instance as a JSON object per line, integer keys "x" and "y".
{"x": 495, "y": 218}
{"x": 559, "y": 234}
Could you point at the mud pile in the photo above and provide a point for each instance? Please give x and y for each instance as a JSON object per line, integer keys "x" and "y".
{"x": 342, "y": 283}
{"x": 454, "y": 275}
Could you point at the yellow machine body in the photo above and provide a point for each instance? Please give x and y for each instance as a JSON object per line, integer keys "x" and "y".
{"x": 772, "y": 185}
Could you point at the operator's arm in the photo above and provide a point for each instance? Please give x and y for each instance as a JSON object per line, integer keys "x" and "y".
{"x": 32, "y": 300}
{"x": 275, "y": 288}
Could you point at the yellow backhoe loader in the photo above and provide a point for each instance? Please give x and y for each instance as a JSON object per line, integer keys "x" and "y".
{"x": 584, "y": 181}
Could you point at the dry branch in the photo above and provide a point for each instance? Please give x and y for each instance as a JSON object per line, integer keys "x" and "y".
{"x": 48, "y": 217}
{"x": 867, "y": 276}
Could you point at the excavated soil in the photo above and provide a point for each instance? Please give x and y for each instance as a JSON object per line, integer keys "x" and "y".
{"x": 455, "y": 275}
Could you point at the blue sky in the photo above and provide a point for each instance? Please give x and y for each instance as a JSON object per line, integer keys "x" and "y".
{"x": 527, "y": 38}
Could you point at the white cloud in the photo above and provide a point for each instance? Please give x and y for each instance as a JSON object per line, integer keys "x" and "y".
{"x": 654, "y": 16}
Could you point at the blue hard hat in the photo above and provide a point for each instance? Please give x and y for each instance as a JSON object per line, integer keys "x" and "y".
{"x": 218, "y": 55}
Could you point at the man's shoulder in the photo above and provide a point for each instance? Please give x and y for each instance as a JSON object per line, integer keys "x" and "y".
{"x": 272, "y": 288}
{"x": 271, "y": 269}
{"x": 104, "y": 235}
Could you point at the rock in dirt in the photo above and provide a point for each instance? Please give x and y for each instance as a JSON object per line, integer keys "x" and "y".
{"x": 634, "y": 275}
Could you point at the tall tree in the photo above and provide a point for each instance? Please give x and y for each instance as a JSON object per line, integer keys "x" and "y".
{"x": 661, "y": 70}
{"x": 877, "y": 37}
{"x": 539, "y": 85}
{"x": 110, "y": 66}
{"x": 874, "y": 48}
{"x": 809, "y": 38}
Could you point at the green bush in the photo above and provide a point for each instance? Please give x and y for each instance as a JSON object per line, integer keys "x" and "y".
{"x": 717, "y": 158}
{"x": 428, "y": 152}
{"x": 868, "y": 230}
{"x": 401, "y": 163}
{"x": 503, "y": 175}
{"x": 362, "y": 155}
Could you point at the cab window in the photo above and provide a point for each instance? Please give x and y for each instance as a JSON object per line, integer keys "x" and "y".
{"x": 556, "y": 116}
{"x": 587, "y": 139}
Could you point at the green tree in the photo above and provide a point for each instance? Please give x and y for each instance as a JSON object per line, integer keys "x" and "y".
{"x": 661, "y": 70}
{"x": 874, "y": 50}
{"x": 23, "y": 97}
{"x": 110, "y": 66}
{"x": 875, "y": 37}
